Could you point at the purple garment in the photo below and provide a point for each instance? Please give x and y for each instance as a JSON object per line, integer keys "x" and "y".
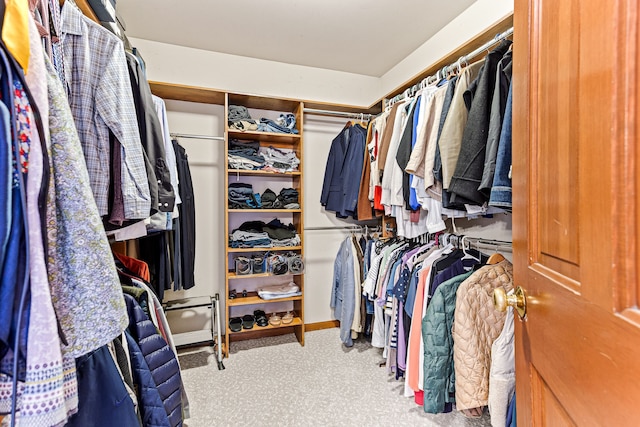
{"x": 455, "y": 269}
{"x": 402, "y": 344}
{"x": 409, "y": 254}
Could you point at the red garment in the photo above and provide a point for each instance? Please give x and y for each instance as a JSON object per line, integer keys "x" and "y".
{"x": 377, "y": 197}
{"x": 139, "y": 268}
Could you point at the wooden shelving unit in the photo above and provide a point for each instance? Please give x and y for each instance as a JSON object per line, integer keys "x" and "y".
{"x": 236, "y": 307}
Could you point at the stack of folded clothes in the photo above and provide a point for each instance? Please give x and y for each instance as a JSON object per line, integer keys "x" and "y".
{"x": 279, "y": 159}
{"x": 287, "y": 199}
{"x": 240, "y": 119}
{"x": 254, "y": 234}
{"x": 279, "y": 291}
{"x": 241, "y": 196}
{"x": 286, "y": 123}
{"x": 245, "y": 155}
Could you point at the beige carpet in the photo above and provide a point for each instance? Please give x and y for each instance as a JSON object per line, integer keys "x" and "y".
{"x": 276, "y": 382}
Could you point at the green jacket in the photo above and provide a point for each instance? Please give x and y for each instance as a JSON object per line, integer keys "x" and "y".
{"x": 439, "y": 375}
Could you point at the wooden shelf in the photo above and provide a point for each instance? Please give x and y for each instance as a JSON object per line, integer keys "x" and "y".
{"x": 264, "y": 136}
{"x": 281, "y": 248}
{"x": 253, "y": 299}
{"x": 187, "y": 93}
{"x": 282, "y": 105}
{"x": 233, "y": 275}
{"x": 261, "y": 172}
{"x": 254, "y": 211}
{"x": 296, "y": 322}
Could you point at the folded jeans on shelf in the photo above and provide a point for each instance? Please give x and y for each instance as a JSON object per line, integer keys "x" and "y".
{"x": 268, "y": 125}
{"x": 238, "y": 244}
{"x": 254, "y": 157}
{"x": 242, "y": 194}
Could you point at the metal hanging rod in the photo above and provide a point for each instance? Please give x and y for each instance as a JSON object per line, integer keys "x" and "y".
{"x": 344, "y": 227}
{"x": 186, "y": 135}
{"x": 458, "y": 240}
{"x": 410, "y": 91}
{"x": 358, "y": 116}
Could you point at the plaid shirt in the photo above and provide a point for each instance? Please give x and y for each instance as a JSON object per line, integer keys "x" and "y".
{"x": 101, "y": 101}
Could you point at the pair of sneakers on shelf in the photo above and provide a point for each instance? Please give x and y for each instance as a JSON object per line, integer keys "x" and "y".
{"x": 285, "y": 319}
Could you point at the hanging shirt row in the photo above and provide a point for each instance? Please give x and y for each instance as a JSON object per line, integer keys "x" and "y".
{"x": 72, "y": 158}
{"x": 429, "y": 307}
{"x": 446, "y": 152}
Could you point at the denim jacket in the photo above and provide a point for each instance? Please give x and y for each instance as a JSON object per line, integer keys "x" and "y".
{"x": 501, "y": 190}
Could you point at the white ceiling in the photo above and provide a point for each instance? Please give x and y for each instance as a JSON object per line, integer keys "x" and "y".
{"x": 364, "y": 37}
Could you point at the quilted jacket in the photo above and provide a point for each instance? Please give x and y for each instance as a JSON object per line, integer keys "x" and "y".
{"x": 439, "y": 376}
{"x": 477, "y": 324}
{"x": 160, "y": 358}
{"x": 151, "y": 408}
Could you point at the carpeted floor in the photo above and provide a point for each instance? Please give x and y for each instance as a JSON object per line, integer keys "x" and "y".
{"x": 276, "y": 382}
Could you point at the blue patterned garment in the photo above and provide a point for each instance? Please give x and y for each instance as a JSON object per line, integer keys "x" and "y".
{"x": 85, "y": 288}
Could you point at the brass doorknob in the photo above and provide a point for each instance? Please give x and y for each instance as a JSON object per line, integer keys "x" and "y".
{"x": 517, "y": 300}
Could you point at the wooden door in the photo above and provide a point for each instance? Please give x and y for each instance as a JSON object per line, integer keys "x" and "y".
{"x": 576, "y": 154}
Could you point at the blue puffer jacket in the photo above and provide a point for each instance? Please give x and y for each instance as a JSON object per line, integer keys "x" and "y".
{"x": 160, "y": 358}
{"x": 151, "y": 408}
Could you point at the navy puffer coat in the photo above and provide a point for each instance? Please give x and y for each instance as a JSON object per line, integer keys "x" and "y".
{"x": 151, "y": 407}
{"x": 160, "y": 358}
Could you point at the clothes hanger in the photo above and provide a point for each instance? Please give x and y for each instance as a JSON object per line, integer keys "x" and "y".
{"x": 495, "y": 258}
{"x": 467, "y": 255}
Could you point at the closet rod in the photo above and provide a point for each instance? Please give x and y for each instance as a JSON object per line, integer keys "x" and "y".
{"x": 497, "y": 39}
{"x": 317, "y": 112}
{"x": 489, "y": 242}
{"x": 444, "y": 70}
{"x": 186, "y": 135}
{"x": 343, "y": 227}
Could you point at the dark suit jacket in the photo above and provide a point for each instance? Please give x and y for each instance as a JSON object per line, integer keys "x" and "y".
{"x": 343, "y": 171}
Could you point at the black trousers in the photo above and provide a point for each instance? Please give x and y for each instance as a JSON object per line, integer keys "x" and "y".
{"x": 187, "y": 211}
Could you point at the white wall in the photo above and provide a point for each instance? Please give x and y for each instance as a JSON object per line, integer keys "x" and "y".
{"x": 473, "y": 21}
{"x": 207, "y": 165}
{"x": 195, "y": 67}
